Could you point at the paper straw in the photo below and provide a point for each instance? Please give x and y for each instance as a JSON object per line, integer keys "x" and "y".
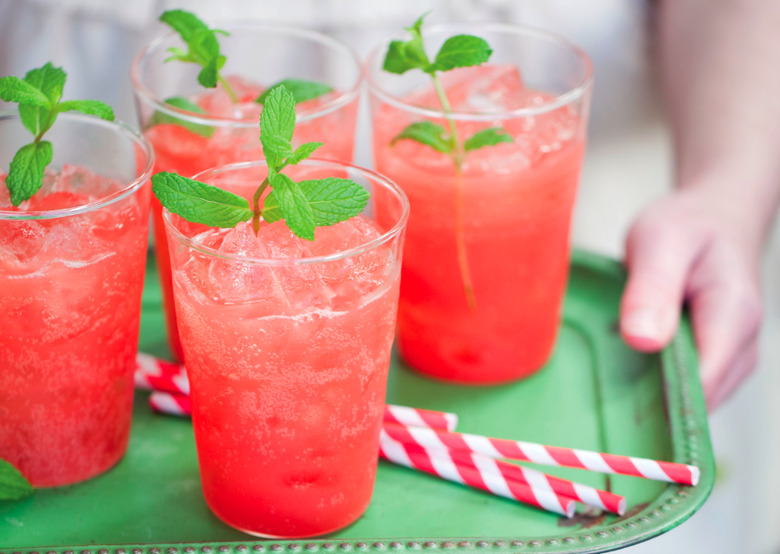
{"x": 171, "y": 404}
{"x": 418, "y": 417}
{"x": 439, "y": 463}
{"x": 586, "y": 494}
{"x": 547, "y": 455}
{"x": 154, "y": 374}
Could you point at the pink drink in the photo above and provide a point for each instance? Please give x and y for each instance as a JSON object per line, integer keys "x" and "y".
{"x": 288, "y": 345}
{"x": 500, "y": 225}
{"x": 229, "y": 132}
{"x": 72, "y": 262}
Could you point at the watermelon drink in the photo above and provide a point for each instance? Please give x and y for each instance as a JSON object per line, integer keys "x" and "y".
{"x": 486, "y": 260}
{"x": 288, "y": 345}
{"x": 72, "y": 262}
{"x": 211, "y": 130}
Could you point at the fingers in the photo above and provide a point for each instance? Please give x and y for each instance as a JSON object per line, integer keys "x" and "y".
{"x": 719, "y": 390}
{"x": 659, "y": 261}
{"x": 685, "y": 250}
{"x": 726, "y": 315}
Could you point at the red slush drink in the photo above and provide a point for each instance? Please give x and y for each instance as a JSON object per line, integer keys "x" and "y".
{"x": 505, "y": 217}
{"x": 72, "y": 262}
{"x": 186, "y": 142}
{"x": 288, "y": 346}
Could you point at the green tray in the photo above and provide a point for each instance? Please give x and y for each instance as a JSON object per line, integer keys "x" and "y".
{"x": 594, "y": 394}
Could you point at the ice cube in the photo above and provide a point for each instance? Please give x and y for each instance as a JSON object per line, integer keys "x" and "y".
{"x": 352, "y": 276}
{"x": 286, "y": 288}
{"x": 20, "y": 241}
{"x": 233, "y": 282}
{"x": 488, "y": 88}
{"x": 217, "y": 102}
{"x": 65, "y": 241}
{"x": 80, "y": 180}
{"x": 302, "y": 284}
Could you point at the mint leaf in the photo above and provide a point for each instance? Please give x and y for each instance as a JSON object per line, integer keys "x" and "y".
{"x": 14, "y": 89}
{"x": 277, "y": 124}
{"x": 278, "y": 146}
{"x": 301, "y": 90}
{"x": 49, "y": 80}
{"x": 302, "y": 152}
{"x": 486, "y": 137}
{"x": 13, "y": 485}
{"x": 25, "y": 173}
{"x": 209, "y": 75}
{"x": 89, "y": 107}
{"x": 198, "y": 202}
{"x": 293, "y": 205}
{"x": 331, "y": 200}
{"x": 402, "y": 56}
{"x": 428, "y": 133}
{"x": 410, "y": 54}
{"x": 278, "y": 116}
{"x": 160, "y": 118}
{"x": 202, "y": 46}
{"x": 185, "y": 23}
{"x": 462, "y": 51}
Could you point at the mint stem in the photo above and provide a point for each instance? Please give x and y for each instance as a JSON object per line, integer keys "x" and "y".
{"x": 256, "y": 208}
{"x": 460, "y": 240}
{"x": 460, "y": 216}
{"x": 457, "y": 156}
{"x": 228, "y": 89}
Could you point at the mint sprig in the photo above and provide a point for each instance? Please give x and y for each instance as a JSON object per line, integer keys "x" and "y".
{"x": 202, "y": 48}
{"x": 301, "y": 89}
{"x": 302, "y": 205}
{"x": 457, "y": 51}
{"x": 13, "y": 485}
{"x": 38, "y": 96}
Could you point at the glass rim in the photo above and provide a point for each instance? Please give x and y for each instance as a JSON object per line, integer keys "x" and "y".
{"x": 345, "y": 98}
{"x": 141, "y": 176}
{"x": 385, "y": 237}
{"x": 573, "y": 94}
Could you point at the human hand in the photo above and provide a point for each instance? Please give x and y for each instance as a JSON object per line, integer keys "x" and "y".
{"x": 695, "y": 246}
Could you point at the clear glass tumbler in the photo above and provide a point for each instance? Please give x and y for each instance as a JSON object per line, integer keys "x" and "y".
{"x": 224, "y": 131}
{"x": 72, "y": 261}
{"x": 288, "y": 346}
{"x": 487, "y": 253}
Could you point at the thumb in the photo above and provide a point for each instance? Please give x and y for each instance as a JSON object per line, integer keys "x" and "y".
{"x": 659, "y": 261}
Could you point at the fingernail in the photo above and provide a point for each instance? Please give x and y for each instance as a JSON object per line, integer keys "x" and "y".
{"x": 642, "y": 324}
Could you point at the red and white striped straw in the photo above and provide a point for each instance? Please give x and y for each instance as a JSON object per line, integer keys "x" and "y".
{"x": 439, "y": 463}
{"x": 180, "y": 405}
{"x": 418, "y": 417}
{"x": 155, "y": 374}
{"x": 171, "y": 404}
{"x": 590, "y": 496}
{"x": 547, "y": 455}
